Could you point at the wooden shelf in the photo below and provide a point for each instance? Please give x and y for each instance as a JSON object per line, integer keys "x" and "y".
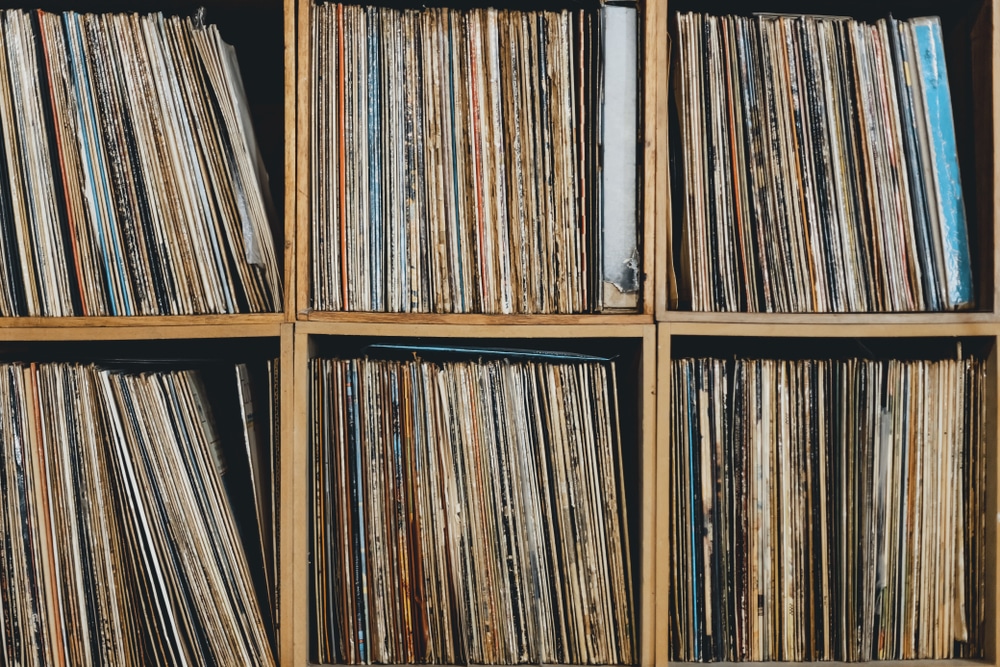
{"x": 833, "y": 319}
{"x": 764, "y": 328}
{"x": 955, "y": 662}
{"x": 281, "y": 111}
{"x": 474, "y": 320}
{"x": 154, "y": 322}
{"x": 84, "y": 331}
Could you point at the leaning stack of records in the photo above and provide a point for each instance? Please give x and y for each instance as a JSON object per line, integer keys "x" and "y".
{"x": 130, "y": 182}
{"x": 820, "y": 170}
{"x": 827, "y": 510}
{"x": 469, "y": 511}
{"x": 454, "y": 160}
{"x": 120, "y": 545}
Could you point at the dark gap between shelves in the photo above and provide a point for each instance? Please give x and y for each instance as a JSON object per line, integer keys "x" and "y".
{"x": 754, "y": 347}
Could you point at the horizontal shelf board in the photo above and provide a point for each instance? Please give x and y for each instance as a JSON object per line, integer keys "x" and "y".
{"x": 834, "y": 327}
{"x": 914, "y": 663}
{"x": 829, "y": 329}
{"x": 949, "y": 662}
{"x": 83, "y": 329}
{"x": 829, "y": 319}
{"x": 535, "y": 329}
{"x": 140, "y": 321}
{"x": 472, "y": 319}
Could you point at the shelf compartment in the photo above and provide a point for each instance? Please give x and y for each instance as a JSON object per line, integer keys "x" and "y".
{"x": 254, "y": 31}
{"x": 645, "y": 195}
{"x": 971, "y": 48}
{"x": 633, "y": 346}
{"x": 731, "y": 343}
{"x": 107, "y": 425}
